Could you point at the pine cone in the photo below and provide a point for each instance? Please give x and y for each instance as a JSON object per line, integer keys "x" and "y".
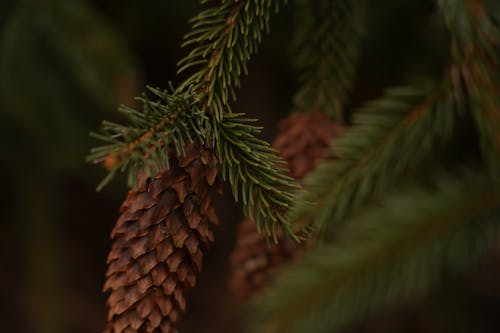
{"x": 301, "y": 141}
{"x": 159, "y": 240}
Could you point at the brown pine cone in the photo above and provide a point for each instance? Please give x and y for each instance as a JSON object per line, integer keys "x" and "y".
{"x": 158, "y": 246}
{"x": 301, "y": 141}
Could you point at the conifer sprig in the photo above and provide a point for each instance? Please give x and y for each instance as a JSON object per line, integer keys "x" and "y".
{"x": 390, "y": 254}
{"x": 325, "y": 49}
{"x": 389, "y": 139}
{"x": 170, "y": 120}
{"x": 253, "y": 166}
{"x": 225, "y": 36}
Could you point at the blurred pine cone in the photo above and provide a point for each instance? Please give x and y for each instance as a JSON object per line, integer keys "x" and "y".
{"x": 301, "y": 141}
{"x": 159, "y": 240}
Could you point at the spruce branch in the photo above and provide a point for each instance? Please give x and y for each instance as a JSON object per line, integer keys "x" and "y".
{"x": 251, "y": 165}
{"x": 225, "y": 36}
{"x": 170, "y": 120}
{"x": 389, "y": 139}
{"x": 392, "y": 253}
{"x": 325, "y": 49}
{"x": 475, "y": 30}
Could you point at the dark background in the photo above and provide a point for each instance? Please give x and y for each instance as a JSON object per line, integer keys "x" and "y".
{"x": 54, "y": 226}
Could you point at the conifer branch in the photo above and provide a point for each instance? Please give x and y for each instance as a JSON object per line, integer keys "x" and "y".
{"x": 390, "y": 254}
{"x": 325, "y": 50}
{"x": 389, "y": 139}
{"x": 171, "y": 120}
{"x": 253, "y": 166}
{"x": 225, "y": 36}
{"x": 476, "y": 51}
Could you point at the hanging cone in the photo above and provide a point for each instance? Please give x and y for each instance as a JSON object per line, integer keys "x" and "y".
{"x": 301, "y": 141}
{"x": 159, "y": 240}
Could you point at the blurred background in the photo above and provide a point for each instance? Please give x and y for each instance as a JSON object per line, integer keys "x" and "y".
{"x": 67, "y": 64}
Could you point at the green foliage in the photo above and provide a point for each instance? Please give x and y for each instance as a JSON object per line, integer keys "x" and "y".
{"x": 390, "y": 139}
{"x": 171, "y": 120}
{"x": 476, "y": 52}
{"x": 385, "y": 256}
{"x": 325, "y": 49}
{"x": 383, "y": 246}
{"x": 225, "y": 36}
{"x": 265, "y": 189}
{"x": 369, "y": 258}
